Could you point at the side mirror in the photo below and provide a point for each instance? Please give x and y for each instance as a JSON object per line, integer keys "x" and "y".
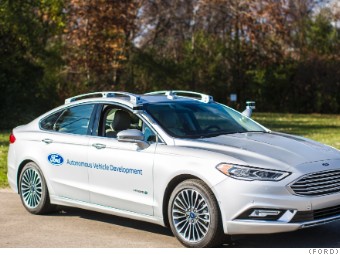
{"x": 250, "y": 106}
{"x": 132, "y": 136}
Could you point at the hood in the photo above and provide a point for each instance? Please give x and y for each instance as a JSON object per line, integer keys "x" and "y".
{"x": 266, "y": 150}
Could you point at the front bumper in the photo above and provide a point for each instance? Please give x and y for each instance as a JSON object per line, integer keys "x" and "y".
{"x": 266, "y": 227}
{"x": 237, "y": 199}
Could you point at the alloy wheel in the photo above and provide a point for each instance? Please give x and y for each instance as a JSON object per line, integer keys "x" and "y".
{"x": 191, "y": 216}
{"x": 31, "y": 188}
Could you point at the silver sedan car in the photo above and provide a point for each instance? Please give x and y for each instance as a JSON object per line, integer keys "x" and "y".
{"x": 177, "y": 159}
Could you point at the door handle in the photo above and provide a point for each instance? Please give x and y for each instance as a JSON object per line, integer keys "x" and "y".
{"x": 99, "y": 146}
{"x": 47, "y": 141}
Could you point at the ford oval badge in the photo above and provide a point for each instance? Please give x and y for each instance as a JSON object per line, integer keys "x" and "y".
{"x": 325, "y": 164}
{"x": 55, "y": 159}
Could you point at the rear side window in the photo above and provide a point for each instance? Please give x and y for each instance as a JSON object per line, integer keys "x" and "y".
{"x": 73, "y": 120}
{"x": 48, "y": 123}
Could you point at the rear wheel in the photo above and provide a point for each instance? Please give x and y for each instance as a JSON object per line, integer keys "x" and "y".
{"x": 33, "y": 190}
{"x": 194, "y": 215}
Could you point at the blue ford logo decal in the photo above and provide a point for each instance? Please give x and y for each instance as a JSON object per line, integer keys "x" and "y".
{"x": 55, "y": 159}
{"x": 325, "y": 164}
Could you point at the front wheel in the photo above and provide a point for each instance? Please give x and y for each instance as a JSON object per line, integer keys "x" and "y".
{"x": 194, "y": 215}
{"x": 33, "y": 190}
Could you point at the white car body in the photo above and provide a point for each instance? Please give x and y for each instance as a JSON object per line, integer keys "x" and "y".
{"x": 125, "y": 179}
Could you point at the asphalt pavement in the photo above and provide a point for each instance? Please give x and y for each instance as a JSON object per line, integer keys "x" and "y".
{"x": 70, "y": 227}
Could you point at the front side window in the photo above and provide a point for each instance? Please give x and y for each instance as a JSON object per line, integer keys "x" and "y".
{"x": 74, "y": 120}
{"x": 196, "y": 119}
{"x": 115, "y": 119}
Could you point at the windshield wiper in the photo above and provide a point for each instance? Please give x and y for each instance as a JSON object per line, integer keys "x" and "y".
{"x": 226, "y": 133}
{"x": 257, "y": 131}
{"x": 199, "y": 136}
{"x": 204, "y": 135}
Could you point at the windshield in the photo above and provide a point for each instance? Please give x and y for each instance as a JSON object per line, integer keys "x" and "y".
{"x": 196, "y": 119}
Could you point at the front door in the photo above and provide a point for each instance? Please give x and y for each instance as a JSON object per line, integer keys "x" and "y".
{"x": 121, "y": 175}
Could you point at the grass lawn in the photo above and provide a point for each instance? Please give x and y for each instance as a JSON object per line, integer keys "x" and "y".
{"x": 323, "y": 128}
{"x": 320, "y": 127}
{"x": 3, "y": 158}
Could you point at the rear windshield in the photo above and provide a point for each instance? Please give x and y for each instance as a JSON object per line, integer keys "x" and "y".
{"x": 197, "y": 119}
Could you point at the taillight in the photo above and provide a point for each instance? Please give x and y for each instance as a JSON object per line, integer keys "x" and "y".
{"x": 11, "y": 138}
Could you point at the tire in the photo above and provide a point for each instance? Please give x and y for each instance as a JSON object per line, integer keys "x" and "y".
{"x": 194, "y": 215}
{"x": 33, "y": 190}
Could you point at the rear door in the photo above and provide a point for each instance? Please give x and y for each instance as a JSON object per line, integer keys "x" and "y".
{"x": 64, "y": 147}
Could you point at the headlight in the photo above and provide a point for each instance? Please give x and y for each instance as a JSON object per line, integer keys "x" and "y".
{"x": 251, "y": 173}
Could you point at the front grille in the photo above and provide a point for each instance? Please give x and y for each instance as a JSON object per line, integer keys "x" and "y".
{"x": 316, "y": 184}
{"x": 319, "y": 214}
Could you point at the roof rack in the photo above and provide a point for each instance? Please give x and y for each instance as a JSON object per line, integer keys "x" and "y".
{"x": 134, "y": 99}
{"x": 172, "y": 94}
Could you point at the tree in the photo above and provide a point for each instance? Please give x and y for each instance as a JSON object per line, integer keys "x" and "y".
{"x": 25, "y": 33}
{"x": 98, "y": 38}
